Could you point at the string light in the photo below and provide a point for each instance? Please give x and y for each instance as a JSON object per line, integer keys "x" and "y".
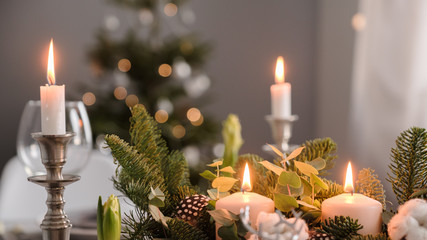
{"x": 170, "y": 9}
{"x": 161, "y": 116}
{"x": 120, "y": 93}
{"x": 131, "y": 100}
{"x": 89, "y": 99}
{"x": 358, "y": 21}
{"x": 124, "y": 65}
{"x": 165, "y": 70}
{"x": 193, "y": 114}
{"x": 178, "y": 131}
{"x": 198, "y": 122}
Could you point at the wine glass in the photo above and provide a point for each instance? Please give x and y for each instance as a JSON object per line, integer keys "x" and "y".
{"x": 79, "y": 148}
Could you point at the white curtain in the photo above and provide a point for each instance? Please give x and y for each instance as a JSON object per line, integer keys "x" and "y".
{"x": 389, "y": 88}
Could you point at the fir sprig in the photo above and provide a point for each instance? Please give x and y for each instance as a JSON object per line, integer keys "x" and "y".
{"x": 180, "y": 230}
{"x": 409, "y": 163}
{"x": 341, "y": 227}
{"x": 143, "y": 164}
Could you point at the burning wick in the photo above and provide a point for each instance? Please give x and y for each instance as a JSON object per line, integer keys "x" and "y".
{"x": 246, "y": 185}
{"x": 348, "y": 186}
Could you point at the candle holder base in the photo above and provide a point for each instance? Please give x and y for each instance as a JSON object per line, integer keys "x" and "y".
{"x": 55, "y": 225}
{"x": 281, "y": 129}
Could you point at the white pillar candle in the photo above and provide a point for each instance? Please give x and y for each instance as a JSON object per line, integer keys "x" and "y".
{"x": 236, "y": 201}
{"x": 280, "y": 93}
{"x": 52, "y": 98}
{"x": 356, "y": 206}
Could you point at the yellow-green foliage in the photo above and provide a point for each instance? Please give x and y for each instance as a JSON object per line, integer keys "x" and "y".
{"x": 324, "y": 148}
{"x": 333, "y": 190}
{"x": 369, "y": 185}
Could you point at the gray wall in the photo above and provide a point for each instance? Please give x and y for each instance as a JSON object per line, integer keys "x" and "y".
{"x": 247, "y": 36}
{"x": 334, "y": 60}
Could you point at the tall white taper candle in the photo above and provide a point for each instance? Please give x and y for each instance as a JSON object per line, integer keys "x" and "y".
{"x": 280, "y": 93}
{"x": 52, "y": 98}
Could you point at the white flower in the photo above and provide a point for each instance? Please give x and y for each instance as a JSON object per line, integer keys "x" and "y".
{"x": 272, "y": 230}
{"x": 411, "y": 221}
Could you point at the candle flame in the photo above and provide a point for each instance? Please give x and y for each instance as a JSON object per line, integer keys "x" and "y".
{"x": 348, "y": 186}
{"x": 280, "y": 70}
{"x": 246, "y": 184}
{"x": 51, "y": 66}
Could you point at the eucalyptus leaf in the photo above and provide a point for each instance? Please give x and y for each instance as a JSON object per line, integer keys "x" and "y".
{"x": 290, "y": 178}
{"x": 277, "y": 151}
{"x": 307, "y": 205}
{"x": 305, "y": 168}
{"x": 241, "y": 229}
{"x": 314, "y": 204}
{"x": 215, "y": 164}
{"x": 213, "y": 193}
{"x": 318, "y": 163}
{"x": 212, "y": 203}
{"x": 208, "y": 175}
{"x": 157, "y": 214}
{"x": 313, "y": 214}
{"x": 272, "y": 167}
{"x": 295, "y": 192}
{"x": 156, "y": 193}
{"x": 157, "y": 202}
{"x": 228, "y": 169}
{"x": 316, "y": 181}
{"x": 284, "y": 203}
{"x": 228, "y": 232}
{"x": 307, "y": 187}
{"x": 223, "y": 217}
{"x": 294, "y": 154}
{"x": 223, "y": 184}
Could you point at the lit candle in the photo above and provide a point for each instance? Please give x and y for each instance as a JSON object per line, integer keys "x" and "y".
{"x": 280, "y": 92}
{"x": 237, "y": 201}
{"x": 52, "y": 98}
{"x": 357, "y": 206}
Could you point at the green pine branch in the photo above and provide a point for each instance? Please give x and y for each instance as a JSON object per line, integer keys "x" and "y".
{"x": 341, "y": 227}
{"x": 144, "y": 163}
{"x": 324, "y": 148}
{"x": 136, "y": 173}
{"x": 139, "y": 225}
{"x": 409, "y": 164}
{"x": 180, "y": 230}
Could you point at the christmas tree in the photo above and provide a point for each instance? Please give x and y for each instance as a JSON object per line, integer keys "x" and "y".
{"x": 157, "y": 63}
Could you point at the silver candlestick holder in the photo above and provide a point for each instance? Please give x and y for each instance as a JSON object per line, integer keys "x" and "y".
{"x": 281, "y": 129}
{"x": 53, "y": 149}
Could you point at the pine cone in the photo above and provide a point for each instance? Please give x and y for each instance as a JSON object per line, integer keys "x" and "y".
{"x": 320, "y": 236}
{"x": 191, "y": 208}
